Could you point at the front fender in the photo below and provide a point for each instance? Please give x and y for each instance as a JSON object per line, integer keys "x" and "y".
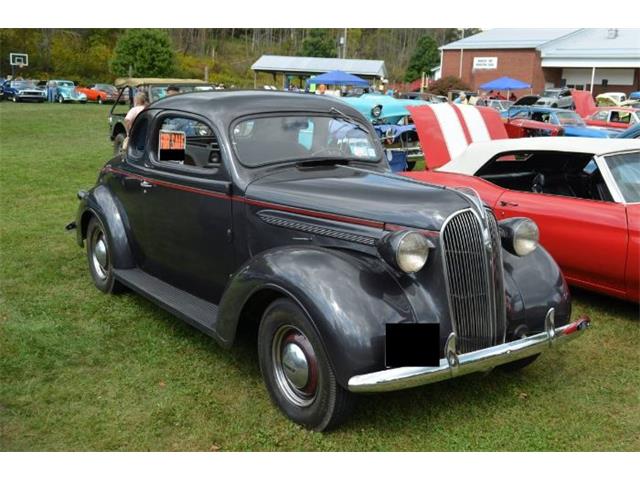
{"x": 540, "y": 284}
{"x": 101, "y": 203}
{"x": 348, "y": 296}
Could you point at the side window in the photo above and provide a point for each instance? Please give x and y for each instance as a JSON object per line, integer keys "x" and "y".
{"x": 138, "y": 138}
{"x": 521, "y": 114}
{"x": 602, "y": 115}
{"x": 197, "y": 146}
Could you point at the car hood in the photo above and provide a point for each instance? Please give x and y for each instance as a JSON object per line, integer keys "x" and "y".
{"x": 360, "y": 194}
{"x": 590, "y": 132}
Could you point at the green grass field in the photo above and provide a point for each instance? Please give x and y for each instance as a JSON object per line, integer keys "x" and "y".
{"x": 80, "y": 370}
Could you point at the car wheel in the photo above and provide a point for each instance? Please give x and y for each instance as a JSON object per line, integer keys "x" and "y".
{"x": 296, "y": 370}
{"x": 60, "y": 99}
{"x": 99, "y": 258}
{"x": 118, "y": 142}
{"x": 555, "y": 105}
{"x": 15, "y": 99}
{"x": 519, "y": 364}
{"x": 100, "y": 100}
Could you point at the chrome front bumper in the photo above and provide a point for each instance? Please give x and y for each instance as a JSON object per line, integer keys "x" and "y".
{"x": 454, "y": 365}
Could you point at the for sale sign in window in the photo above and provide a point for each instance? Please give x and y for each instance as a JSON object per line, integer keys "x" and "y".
{"x": 172, "y": 145}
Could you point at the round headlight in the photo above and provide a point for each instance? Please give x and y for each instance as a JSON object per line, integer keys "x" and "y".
{"x": 412, "y": 252}
{"x": 405, "y": 250}
{"x": 520, "y": 236}
{"x": 376, "y": 111}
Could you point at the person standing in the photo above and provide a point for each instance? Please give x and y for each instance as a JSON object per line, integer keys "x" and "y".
{"x": 52, "y": 91}
{"x": 140, "y": 102}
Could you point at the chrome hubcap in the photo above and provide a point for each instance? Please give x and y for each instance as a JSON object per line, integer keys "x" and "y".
{"x": 295, "y": 366}
{"x": 99, "y": 255}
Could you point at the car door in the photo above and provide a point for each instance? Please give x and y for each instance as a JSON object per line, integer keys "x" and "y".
{"x": 588, "y": 238}
{"x": 182, "y": 220}
{"x": 598, "y": 119}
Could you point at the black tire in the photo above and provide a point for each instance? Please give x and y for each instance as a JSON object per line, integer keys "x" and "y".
{"x": 519, "y": 364}
{"x": 60, "y": 99}
{"x": 100, "y": 266}
{"x": 555, "y": 105}
{"x": 321, "y": 403}
{"x": 117, "y": 143}
{"x": 99, "y": 100}
{"x": 15, "y": 99}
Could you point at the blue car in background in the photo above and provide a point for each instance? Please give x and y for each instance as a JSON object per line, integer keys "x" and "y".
{"x": 22, "y": 91}
{"x": 391, "y": 121}
{"x": 66, "y": 92}
{"x": 631, "y": 132}
{"x": 570, "y": 121}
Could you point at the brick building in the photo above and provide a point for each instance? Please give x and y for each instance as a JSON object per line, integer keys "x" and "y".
{"x": 595, "y": 59}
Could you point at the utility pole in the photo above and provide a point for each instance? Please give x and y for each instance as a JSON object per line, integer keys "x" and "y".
{"x": 344, "y": 47}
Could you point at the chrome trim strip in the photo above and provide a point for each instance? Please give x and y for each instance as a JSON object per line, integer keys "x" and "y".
{"x": 480, "y": 360}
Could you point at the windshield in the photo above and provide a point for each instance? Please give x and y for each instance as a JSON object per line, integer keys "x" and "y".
{"x": 569, "y": 118}
{"x": 625, "y": 168}
{"x": 106, "y": 88}
{"x": 271, "y": 140}
{"x": 23, "y": 84}
{"x": 64, "y": 83}
{"x": 551, "y": 93}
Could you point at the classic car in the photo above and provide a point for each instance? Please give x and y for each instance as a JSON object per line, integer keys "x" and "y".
{"x": 22, "y": 91}
{"x": 277, "y": 211}
{"x": 614, "y": 117}
{"x": 155, "y": 88}
{"x": 556, "y": 98}
{"x": 584, "y": 194}
{"x": 499, "y": 105}
{"x": 100, "y": 92}
{"x": 611, "y": 99}
{"x": 66, "y": 92}
{"x": 572, "y": 124}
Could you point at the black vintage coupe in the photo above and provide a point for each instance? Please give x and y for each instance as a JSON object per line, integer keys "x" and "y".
{"x": 279, "y": 211}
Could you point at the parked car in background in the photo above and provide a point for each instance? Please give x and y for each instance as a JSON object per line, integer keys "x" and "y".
{"x": 66, "y": 92}
{"x": 22, "y": 91}
{"x": 631, "y": 132}
{"x": 614, "y": 117}
{"x": 572, "y": 124}
{"x": 499, "y": 105}
{"x": 583, "y": 193}
{"x": 277, "y": 211}
{"x": 427, "y": 97}
{"x": 556, "y": 98}
{"x": 519, "y": 123}
{"x": 611, "y": 99}
{"x": 100, "y": 92}
{"x": 393, "y": 125}
{"x": 155, "y": 88}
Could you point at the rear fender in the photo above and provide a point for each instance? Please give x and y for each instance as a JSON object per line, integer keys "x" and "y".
{"x": 101, "y": 203}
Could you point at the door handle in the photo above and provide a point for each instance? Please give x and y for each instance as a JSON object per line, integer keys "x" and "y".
{"x": 508, "y": 204}
{"x": 145, "y": 184}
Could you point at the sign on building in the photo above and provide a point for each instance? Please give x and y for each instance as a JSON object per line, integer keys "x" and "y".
{"x": 485, "y": 63}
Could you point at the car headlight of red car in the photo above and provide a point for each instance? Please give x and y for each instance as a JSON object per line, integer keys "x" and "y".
{"x": 520, "y": 236}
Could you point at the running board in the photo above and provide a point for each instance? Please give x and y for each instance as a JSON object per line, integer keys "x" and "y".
{"x": 193, "y": 310}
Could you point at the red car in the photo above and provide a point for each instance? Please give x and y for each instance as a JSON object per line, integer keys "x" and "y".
{"x": 614, "y": 117}
{"x": 100, "y": 92}
{"x": 583, "y": 193}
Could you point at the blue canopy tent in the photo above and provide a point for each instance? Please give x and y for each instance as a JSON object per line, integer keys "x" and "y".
{"x": 504, "y": 83}
{"x": 338, "y": 77}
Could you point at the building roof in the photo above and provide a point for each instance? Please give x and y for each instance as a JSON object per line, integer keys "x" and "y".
{"x": 315, "y": 65}
{"x": 598, "y": 47}
{"x": 498, "y": 38}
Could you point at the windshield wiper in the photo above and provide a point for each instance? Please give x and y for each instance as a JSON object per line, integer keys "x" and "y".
{"x": 348, "y": 119}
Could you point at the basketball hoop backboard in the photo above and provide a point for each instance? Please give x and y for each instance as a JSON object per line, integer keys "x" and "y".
{"x": 19, "y": 59}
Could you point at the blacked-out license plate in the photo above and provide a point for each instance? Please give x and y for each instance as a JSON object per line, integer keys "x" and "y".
{"x": 412, "y": 345}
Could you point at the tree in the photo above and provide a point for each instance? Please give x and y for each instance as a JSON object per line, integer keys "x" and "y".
{"x": 424, "y": 58}
{"x": 446, "y": 84}
{"x": 148, "y": 52}
{"x": 318, "y": 43}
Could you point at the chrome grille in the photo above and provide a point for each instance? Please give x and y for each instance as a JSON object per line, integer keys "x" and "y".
{"x": 473, "y": 270}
